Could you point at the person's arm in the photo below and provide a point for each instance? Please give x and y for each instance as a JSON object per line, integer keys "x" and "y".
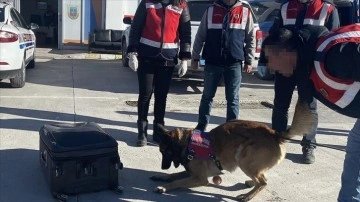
{"x": 185, "y": 35}
{"x": 250, "y": 41}
{"x": 333, "y": 21}
{"x": 137, "y": 27}
{"x": 343, "y": 61}
{"x": 200, "y": 38}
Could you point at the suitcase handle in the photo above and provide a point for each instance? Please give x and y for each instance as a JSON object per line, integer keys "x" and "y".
{"x": 43, "y": 157}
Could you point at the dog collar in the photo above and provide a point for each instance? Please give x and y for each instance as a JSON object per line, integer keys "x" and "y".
{"x": 200, "y": 147}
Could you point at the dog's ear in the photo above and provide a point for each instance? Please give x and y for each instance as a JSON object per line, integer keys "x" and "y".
{"x": 165, "y": 138}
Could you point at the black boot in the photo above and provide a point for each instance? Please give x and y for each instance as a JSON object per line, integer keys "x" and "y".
{"x": 201, "y": 127}
{"x": 142, "y": 133}
{"x": 157, "y": 131}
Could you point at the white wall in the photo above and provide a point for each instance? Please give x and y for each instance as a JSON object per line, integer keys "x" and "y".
{"x": 115, "y": 11}
{"x": 72, "y": 26}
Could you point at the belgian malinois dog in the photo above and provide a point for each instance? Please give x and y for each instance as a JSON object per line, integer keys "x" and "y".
{"x": 252, "y": 146}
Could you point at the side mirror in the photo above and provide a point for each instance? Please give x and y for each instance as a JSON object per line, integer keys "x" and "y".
{"x": 127, "y": 20}
{"x": 34, "y": 26}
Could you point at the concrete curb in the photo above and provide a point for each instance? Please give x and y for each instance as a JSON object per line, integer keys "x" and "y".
{"x": 88, "y": 56}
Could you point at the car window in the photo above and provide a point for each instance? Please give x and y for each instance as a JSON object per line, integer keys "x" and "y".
{"x": 15, "y": 20}
{"x": 197, "y": 9}
{"x": 258, "y": 8}
{"x": 2, "y": 14}
{"x": 21, "y": 19}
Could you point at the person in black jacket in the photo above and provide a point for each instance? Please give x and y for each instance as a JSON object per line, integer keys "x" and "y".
{"x": 298, "y": 14}
{"x": 159, "y": 29}
{"x": 327, "y": 66}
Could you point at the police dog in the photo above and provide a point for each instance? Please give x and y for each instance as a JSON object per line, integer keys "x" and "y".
{"x": 252, "y": 146}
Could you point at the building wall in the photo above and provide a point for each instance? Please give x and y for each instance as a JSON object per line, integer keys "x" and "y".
{"x": 80, "y": 17}
{"x": 96, "y": 14}
{"x": 72, "y": 22}
{"x": 115, "y": 11}
{"x": 77, "y": 18}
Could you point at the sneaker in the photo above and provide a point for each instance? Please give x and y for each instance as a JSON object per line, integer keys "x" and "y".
{"x": 308, "y": 155}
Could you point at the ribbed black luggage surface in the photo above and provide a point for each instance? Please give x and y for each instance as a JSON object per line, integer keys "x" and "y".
{"x": 78, "y": 157}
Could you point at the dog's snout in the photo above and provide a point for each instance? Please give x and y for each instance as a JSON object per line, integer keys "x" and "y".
{"x": 165, "y": 164}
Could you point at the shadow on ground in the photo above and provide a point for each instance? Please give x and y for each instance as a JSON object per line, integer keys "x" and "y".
{"x": 26, "y": 182}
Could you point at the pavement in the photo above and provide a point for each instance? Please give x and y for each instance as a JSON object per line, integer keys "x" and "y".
{"x": 67, "y": 87}
{"x": 50, "y": 53}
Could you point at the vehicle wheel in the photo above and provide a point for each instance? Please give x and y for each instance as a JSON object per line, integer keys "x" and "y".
{"x": 31, "y": 65}
{"x": 264, "y": 73}
{"x": 125, "y": 60}
{"x": 19, "y": 80}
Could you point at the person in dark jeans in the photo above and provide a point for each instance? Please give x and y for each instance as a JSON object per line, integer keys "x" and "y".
{"x": 159, "y": 30}
{"x": 227, "y": 34}
{"x": 296, "y": 14}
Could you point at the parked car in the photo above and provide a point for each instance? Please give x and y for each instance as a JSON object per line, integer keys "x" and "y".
{"x": 17, "y": 45}
{"x": 197, "y": 9}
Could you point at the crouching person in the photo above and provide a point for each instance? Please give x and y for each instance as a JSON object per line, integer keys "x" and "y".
{"x": 328, "y": 67}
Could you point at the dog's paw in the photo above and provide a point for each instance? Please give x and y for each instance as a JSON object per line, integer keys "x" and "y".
{"x": 160, "y": 189}
{"x": 243, "y": 198}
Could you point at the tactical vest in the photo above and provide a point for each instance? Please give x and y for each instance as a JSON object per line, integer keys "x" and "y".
{"x": 221, "y": 22}
{"x": 316, "y": 14}
{"x": 160, "y": 36}
{"x": 342, "y": 93}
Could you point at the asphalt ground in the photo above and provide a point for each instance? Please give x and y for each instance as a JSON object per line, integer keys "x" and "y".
{"x": 68, "y": 89}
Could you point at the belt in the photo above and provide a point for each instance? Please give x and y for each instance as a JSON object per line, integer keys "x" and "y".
{"x": 165, "y": 63}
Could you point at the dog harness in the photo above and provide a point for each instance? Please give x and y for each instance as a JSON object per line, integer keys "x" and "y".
{"x": 200, "y": 147}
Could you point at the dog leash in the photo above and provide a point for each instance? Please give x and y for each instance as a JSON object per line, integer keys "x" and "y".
{"x": 316, "y": 144}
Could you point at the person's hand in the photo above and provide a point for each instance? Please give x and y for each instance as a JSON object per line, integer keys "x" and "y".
{"x": 194, "y": 64}
{"x": 133, "y": 61}
{"x": 182, "y": 68}
{"x": 247, "y": 68}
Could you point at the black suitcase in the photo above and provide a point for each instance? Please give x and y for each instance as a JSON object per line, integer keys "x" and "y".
{"x": 78, "y": 158}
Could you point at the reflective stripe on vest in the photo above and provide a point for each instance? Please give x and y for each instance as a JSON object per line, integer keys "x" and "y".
{"x": 316, "y": 14}
{"x": 150, "y": 35}
{"x": 157, "y": 44}
{"x": 216, "y": 16}
{"x": 341, "y": 92}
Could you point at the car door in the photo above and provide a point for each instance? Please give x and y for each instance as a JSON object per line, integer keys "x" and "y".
{"x": 26, "y": 36}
